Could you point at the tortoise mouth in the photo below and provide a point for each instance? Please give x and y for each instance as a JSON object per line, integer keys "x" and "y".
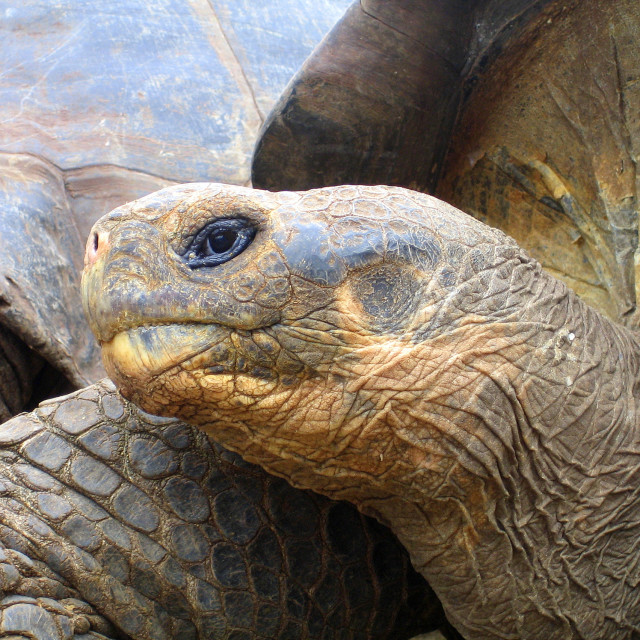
{"x": 188, "y": 370}
{"x": 143, "y": 356}
{"x": 149, "y": 351}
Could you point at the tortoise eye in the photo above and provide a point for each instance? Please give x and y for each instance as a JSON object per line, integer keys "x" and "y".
{"x": 219, "y": 242}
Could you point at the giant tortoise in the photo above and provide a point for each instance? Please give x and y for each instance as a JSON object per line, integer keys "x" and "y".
{"x": 475, "y": 403}
{"x": 379, "y": 346}
{"x": 94, "y": 112}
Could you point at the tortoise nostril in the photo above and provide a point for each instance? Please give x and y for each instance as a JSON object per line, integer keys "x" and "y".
{"x": 96, "y": 245}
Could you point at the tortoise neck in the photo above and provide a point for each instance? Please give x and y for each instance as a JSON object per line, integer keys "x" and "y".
{"x": 521, "y": 452}
{"x": 499, "y": 448}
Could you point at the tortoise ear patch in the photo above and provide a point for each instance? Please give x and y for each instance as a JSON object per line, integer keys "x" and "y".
{"x": 386, "y": 296}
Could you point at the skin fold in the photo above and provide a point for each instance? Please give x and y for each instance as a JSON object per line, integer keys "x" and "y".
{"x": 377, "y": 345}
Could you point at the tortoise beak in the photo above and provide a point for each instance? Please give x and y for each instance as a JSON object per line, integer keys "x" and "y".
{"x": 92, "y": 280}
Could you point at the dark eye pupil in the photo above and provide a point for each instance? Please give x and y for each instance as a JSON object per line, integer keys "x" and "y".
{"x": 218, "y": 242}
{"x": 222, "y": 241}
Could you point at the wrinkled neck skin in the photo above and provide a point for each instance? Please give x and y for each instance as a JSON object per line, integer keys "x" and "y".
{"x": 505, "y": 455}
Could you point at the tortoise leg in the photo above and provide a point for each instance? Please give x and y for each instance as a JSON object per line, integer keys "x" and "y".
{"x": 23, "y": 617}
{"x": 38, "y": 604}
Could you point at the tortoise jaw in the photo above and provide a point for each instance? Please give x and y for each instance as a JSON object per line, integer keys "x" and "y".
{"x": 136, "y": 357}
{"x": 171, "y": 370}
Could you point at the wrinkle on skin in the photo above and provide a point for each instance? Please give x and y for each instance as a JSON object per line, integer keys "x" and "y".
{"x": 498, "y": 448}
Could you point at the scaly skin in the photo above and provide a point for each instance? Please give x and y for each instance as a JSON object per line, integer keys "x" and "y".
{"x": 379, "y": 346}
{"x": 125, "y": 526}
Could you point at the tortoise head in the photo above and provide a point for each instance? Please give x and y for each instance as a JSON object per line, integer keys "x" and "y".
{"x": 287, "y": 318}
